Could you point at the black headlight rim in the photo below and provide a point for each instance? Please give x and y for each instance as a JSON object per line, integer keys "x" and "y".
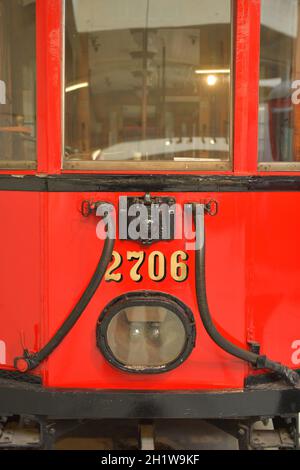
{"x": 142, "y": 298}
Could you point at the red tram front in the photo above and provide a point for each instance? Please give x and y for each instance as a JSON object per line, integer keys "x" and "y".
{"x": 149, "y": 196}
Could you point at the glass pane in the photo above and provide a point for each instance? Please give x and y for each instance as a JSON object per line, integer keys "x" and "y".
{"x": 147, "y": 80}
{"x": 17, "y": 84}
{"x": 146, "y": 336}
{"x": 279, "y": 112}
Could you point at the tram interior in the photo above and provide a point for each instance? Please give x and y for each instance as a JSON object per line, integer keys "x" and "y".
{"x": 144, "y": 95}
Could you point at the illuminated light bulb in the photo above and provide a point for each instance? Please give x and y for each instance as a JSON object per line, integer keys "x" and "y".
{"x": 135, "y": 330}
{"x": 211, "y": 80}
{"x": 154, "y": 331}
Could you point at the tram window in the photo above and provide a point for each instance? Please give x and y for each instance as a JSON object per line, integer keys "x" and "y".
{"x": 17, "y": 84}
{"x": 147, "y": 84}
{"x": 279, "y": 85}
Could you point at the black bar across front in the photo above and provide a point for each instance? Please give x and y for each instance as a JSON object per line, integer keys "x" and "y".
{"x": 181, "y": 183}
{"x": 27, "y": 399}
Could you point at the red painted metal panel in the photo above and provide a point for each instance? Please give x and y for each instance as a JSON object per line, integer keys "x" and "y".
{"x": 252, "y": 265}
{"x": 74, "y": 252}
{"x": 252, "y": 273}
{"x": 273, "y": 260}
{"x": 20, "y": 272}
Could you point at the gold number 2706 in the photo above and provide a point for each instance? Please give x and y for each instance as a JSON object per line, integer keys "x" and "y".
{"x": 156, "y": 264}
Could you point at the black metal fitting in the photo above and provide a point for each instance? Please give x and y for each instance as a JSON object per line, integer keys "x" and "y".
{"x": 90, "y": 207}
{"x": 211, "y": 207}
{"x": 254, "y": 347}
{"x": 159, "y": 224}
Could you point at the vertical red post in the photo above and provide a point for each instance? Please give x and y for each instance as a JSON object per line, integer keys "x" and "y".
{"x": 49, "y": 70}
{"x": 246, "y": 89}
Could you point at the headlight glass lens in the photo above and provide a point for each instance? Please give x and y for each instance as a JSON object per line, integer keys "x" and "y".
{"x": 146, "y": 337}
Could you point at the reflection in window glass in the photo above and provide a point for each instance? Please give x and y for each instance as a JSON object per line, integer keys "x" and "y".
{"x": 17, "y": 84}
{"x": 279, "y": 112}
{"x": 147, "y": 80}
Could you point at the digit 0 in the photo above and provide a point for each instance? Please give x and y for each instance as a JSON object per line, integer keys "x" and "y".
{"x": 156, "y": 266}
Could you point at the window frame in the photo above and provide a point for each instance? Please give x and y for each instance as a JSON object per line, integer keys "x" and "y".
{"x": 245, "y": 98}
{"x": 275, "y": 166}
{"x": 278, "y": 167}
{"x": 154, "y": 165}
{"x": 27, "y": 165}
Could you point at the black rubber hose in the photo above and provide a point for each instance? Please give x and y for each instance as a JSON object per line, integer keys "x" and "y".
{"x": 258, "y": 361}
{"x": 33, "y": 360}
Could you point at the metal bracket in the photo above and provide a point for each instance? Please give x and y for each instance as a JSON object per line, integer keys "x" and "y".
{"x": 90, "y": 207}
{"x": 33, "y": 432}
{"x": 282, "y": 435}
{"x": 211, "y": 207}
{"x": 159, "y": 223}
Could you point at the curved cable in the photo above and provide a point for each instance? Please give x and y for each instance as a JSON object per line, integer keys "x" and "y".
{"x": 31, "y": 361}
{"x": 258, "y": 361}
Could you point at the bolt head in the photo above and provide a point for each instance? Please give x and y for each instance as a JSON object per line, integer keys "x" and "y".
{"x": 22, "y": 365}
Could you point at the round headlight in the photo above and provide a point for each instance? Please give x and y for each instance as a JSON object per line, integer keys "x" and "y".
{"x": 146, "y": 332}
